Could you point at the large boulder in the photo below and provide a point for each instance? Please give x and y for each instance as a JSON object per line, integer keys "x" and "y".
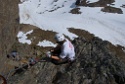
{"x": 110, "y": 9}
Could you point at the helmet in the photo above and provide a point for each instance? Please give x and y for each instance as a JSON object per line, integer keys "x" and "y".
{"x": 59, "y": 37}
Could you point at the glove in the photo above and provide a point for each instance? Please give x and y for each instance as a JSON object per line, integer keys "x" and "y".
{"x": 48, "y": 54}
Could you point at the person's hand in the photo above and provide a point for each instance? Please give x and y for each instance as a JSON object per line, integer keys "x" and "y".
{"x": 48, "y": 54}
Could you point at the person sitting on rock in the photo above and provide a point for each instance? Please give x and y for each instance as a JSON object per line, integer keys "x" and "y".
{"x": 63, "y": 52}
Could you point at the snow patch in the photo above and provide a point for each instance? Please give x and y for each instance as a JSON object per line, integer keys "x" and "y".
{"x": 55, "y": 16}
{"x": 46, "y": 43}
{"x": 22, "y": 37}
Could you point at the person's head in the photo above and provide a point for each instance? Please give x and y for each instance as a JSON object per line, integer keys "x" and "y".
{"x": 59, "y": 38}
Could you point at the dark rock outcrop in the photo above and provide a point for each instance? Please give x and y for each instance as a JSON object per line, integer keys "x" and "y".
{"x": 98, "y": 63}
{"x": 110, "y": 9}
{"x": 100, "y": 3}
{"x": 75, "y": 11}
{"x": 95, "y": 64}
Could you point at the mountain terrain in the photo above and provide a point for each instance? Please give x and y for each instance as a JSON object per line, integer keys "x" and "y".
{"x": 97, "y": 61}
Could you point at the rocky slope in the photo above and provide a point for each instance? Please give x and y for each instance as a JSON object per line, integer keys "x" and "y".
{"x": 97, "y": 62}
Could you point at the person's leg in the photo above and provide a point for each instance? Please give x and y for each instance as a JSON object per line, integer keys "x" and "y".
{"x": 63, "y": 61}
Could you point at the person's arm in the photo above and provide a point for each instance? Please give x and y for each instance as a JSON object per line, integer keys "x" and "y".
{"x": 56, "y": 58}
{"x": 48, "y": 54}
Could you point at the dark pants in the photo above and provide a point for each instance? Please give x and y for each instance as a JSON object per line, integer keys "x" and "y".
{"x": 57, "y": 53}
{"x": 63, "y": 61}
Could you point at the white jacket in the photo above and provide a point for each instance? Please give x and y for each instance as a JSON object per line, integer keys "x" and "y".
{"x": 67, "y": 50}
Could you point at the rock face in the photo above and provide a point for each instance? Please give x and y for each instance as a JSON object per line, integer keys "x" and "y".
{"x": 95, "y": 64}
{"x": 98, "y": 64}
{"x": 112, "y": 10}
{"x": 9, "y": 27}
